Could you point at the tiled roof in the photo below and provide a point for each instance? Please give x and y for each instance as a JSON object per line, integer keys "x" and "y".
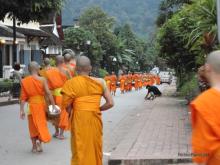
{"x": 5, "y": 31}
{"x": 52, "y": 39}
{"x": 31, "y": 32}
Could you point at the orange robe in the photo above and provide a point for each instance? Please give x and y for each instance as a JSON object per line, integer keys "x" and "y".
{"x": 113, "y": 82}
{"x": 158, "y": 80}
{"x": 84, "y": 93}
{"x": 122, "y": 83}
{"x": 206, "y": 127}
{"x": 126, "y": 84}
{"x": 32, "y": 91}
{"x": 135, "y": 78}
{"x": 70, "y": 68}
{"x": 129, "y": 82}
{"x": 56, "y": 80}
{"x": 140, "y": 83}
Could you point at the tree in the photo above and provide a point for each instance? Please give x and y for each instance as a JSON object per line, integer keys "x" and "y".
{"x": 77, "y": 38}
{"x": 185, "y": 39}
{"x": 28, "y": 10}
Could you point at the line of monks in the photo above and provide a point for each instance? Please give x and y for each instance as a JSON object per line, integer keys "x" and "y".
{"x": 126, "y": 82}
{"x": 77, "y": 95}
{"x": 40, "y": 89}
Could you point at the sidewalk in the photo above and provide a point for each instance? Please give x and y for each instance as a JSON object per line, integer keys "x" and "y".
{"x": 4, "y": 101}
{"x": 160, "y": 136}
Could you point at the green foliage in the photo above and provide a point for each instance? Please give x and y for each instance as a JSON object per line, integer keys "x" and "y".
{"x": 29, "y": 10}
{"x": 108, "y": 43}
{"x": 140, "y": 14}
{"x": 190, "y": 88}
{"x": 77, "y": 38}
{"x": 186, "y": 38}
{"x": 5, "y": 85}
{"x": 102, "y": 73}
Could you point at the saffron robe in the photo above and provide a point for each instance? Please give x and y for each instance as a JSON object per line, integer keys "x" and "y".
{"x": 32, "y": 91}
{"x": 84, "y": 93}
{"x": 56, "y": 80}
{"x": 206, "y": 127}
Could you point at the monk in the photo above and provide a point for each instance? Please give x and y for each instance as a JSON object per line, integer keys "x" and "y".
{"x": 46, "y": 67}
{"x": 33, "y": 90}
{"x": 56, "y": 78}
{"x": 113, "y": 79}
{"x": 135, "y": 79}
{"x": 84, "y": 94}
{"x": 122, "y": 83}
{"x": 126, "y": 83}
{"x": 69, "y": 62}
{"x": 205, "y": 116}
{"x": 140, "y": 83}
{"x": 145, "y": 80}
{"x": 129, "y": 81}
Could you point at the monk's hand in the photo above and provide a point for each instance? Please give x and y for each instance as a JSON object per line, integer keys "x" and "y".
{"x": 22, "y": 114}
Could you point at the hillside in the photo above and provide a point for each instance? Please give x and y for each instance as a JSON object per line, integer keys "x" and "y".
{"x": 141, "y": 14}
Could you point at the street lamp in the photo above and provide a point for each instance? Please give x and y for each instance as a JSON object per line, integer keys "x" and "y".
{"x": 114, "y": 59}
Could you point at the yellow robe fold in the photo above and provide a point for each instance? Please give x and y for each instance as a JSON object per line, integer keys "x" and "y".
{"x": 84, "y": 94}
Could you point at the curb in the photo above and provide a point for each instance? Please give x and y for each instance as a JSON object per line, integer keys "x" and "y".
{"x": 5, "y": 103}
{"x": 149, "y": 161}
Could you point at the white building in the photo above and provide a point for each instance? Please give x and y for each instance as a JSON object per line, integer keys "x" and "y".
{"x": 30, "y": 41}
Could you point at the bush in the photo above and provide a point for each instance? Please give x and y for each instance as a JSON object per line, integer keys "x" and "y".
{"x": 5, "y": 85}
{"x": 190, "y": 88}
{"x": 102, "y": 73}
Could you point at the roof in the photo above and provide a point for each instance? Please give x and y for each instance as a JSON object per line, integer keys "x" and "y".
{"x": 31, "y": 32}
{"x": 8, "y": 32}
{"x": 52, "y": 39}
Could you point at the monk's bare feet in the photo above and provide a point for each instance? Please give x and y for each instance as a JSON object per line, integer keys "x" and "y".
{"x": 56, "y": 135}
{"x": 39, "y": 147}
{"x": 34, "y": 150}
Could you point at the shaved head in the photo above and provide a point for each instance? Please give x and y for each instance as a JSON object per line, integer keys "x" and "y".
{"x": 59, "y": 60}
{"x": 83, "y": 64}
{"x": 33, "y": 67}
{"x": 46, "y": 61}
{"x": 213, "y": 61}
{"x": 68, "y": 55}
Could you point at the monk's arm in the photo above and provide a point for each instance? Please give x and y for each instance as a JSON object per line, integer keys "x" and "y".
{"x": 109, "y": 101}
{"x": 48, "y": 93}
{"x": 67, "y": 103}
{"x": 23, "y": 98}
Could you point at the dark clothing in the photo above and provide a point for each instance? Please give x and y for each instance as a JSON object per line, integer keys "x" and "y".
{"x": 154, "y": 90}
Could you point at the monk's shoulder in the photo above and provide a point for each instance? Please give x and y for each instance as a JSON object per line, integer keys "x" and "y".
{"x": 205, "y": 97}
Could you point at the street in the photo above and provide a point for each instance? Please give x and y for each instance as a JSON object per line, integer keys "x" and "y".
{"x": 15, "y": 144}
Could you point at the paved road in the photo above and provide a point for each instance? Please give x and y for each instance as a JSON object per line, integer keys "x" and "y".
{"x": 15, "y": 145}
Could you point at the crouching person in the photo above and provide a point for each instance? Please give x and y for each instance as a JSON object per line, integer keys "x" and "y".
{"x": 152, "y": 93}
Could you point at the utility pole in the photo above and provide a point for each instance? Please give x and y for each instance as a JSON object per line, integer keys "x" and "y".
{"x": 218, "y": 18}
{"x": 14, "y": 59}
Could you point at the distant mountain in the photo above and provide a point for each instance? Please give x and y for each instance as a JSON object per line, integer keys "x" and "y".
{"x": 141, "y": 14}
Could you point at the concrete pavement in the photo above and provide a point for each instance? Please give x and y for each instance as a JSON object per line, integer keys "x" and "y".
{"x": 118, "y": 123}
